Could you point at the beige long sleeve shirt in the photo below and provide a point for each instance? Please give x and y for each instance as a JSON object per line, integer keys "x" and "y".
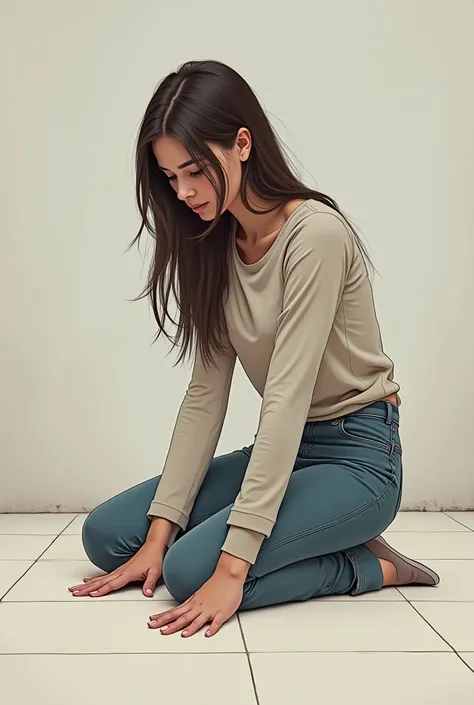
{"x": 302, "y": 322}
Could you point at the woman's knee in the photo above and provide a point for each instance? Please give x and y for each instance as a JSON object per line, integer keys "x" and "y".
{"x": 116, "y": 529}
{"x": 100, "y": 541}
{"x": 181, "y": 573}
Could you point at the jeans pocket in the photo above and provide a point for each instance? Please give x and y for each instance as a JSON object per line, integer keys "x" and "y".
{"x": 370, "y": 431}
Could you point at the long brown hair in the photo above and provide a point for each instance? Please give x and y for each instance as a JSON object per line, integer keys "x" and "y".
{"x": 204, "y": 102}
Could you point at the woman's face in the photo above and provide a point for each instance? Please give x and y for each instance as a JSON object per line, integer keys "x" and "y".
{"x": 190, "y": 184}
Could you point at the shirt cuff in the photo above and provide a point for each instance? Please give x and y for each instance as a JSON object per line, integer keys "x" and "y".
{"x": 164, "y": 512}
{"x": 243, "y": 543}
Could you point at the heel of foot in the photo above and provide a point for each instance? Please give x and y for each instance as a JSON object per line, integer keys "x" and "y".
{"x": 389, "y": 572}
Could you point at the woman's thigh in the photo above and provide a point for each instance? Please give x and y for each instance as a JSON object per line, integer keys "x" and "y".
{"x": 346, "y": 489}
{"x": 326, "y": 509}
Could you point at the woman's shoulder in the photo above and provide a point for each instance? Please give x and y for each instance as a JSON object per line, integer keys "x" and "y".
{"x": 317, "y": 225}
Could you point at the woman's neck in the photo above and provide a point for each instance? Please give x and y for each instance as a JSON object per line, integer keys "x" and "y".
{"x": 256, "y": 233}
{"x": 255, "y": 227}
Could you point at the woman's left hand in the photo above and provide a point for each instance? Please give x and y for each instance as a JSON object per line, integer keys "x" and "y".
{"x": 215, "y": 602}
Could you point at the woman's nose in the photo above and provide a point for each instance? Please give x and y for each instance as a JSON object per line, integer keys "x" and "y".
{"x": 184, "y": 192}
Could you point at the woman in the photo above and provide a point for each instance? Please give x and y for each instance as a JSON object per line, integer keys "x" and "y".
{"x": 265, "y": 269}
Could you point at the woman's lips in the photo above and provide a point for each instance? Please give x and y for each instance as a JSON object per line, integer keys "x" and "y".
{"x": 198, "y": 209}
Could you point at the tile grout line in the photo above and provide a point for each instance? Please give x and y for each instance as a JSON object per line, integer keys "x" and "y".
{"x": 71, "y": 560}
{"x": 122, "y": 653}
{"x": 447, "y": 642}
{"x": 358, "y": 651}
{"x": 81, "y": 601}
{"x": 37, "y": 559}
{"x": 454, "y": 650}
{"x": 429, "y": 531}
{"x": 252, "y": 675}
{"x": 425, "y": 560}
{"x": 34, "y": 562}
{"x": 428, "y": 623}
{"x": 458, "y": 654}
{"x": 460, "y": 523}
{"x": 55, "y": 535}
{"x": 99, "y": 601}
{"x": 212, "y": 653}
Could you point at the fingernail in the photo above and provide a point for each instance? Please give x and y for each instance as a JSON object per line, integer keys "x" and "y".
{"x": 152, "y": 623}
{"x": 163, "y": 629}
{"x": 185, "y": 633}
{"x": 76, "y": 592}
{"x": 208, "y": 633}
{"x": 94, "y": 592}
{"x": 149, "y": 592}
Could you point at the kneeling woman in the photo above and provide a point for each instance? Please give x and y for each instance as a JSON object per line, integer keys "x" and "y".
{"x": 269, "y": 271}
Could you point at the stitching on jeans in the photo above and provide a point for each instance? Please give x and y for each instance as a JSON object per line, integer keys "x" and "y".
{"x": 371, "y": 443}
{"x": 373, "y": 416}
{"x": 308, "y": 593}
{"x": 360, "y": 582}
{"x": 329, "y": 524}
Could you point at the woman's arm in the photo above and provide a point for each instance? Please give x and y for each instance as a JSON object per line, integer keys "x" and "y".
{"x": 160, "y": 532}
{"x": 316, "y": 265}
{"x": 195, "y": 437}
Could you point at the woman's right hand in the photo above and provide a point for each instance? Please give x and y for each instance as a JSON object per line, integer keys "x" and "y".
{"x": 145, "y": 565}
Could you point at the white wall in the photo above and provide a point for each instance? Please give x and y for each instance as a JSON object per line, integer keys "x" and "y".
{"x": 375, "y": 96}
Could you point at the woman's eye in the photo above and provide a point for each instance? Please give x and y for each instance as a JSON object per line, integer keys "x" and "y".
{"x": 191, "y": 174}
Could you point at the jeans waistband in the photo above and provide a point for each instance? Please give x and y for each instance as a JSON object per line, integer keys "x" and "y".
{"x": 379, "y": 409}
{"x": 383, "y": 409}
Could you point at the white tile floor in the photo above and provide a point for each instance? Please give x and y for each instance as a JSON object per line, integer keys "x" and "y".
{"x": 410, "y": 645}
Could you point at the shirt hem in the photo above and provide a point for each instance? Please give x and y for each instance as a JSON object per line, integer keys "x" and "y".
{"x": 351, "y": 408}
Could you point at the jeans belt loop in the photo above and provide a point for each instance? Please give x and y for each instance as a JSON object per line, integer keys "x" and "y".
{"x": 388, "y": 419}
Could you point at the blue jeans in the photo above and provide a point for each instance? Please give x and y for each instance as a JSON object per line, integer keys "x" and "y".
{"x": 344, "y": 490}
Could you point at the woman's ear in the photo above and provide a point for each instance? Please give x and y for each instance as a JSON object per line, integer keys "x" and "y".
{"x": 244, "y": 144}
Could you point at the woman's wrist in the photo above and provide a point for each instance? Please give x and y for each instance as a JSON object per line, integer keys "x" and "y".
{"x": 159, "y": 532}
{"x": 233, "y": 566}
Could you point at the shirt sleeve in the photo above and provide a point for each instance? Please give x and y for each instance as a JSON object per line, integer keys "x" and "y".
{"x": 315, "y": 269}
{"x": 194, "y": 440}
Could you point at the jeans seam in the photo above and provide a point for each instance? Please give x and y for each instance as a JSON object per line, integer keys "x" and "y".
{"x": 327, "y": 525}
{"x": 394, "y": 478}
{"x": 360, "y": 582}
{"x": 308, "y": 593}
